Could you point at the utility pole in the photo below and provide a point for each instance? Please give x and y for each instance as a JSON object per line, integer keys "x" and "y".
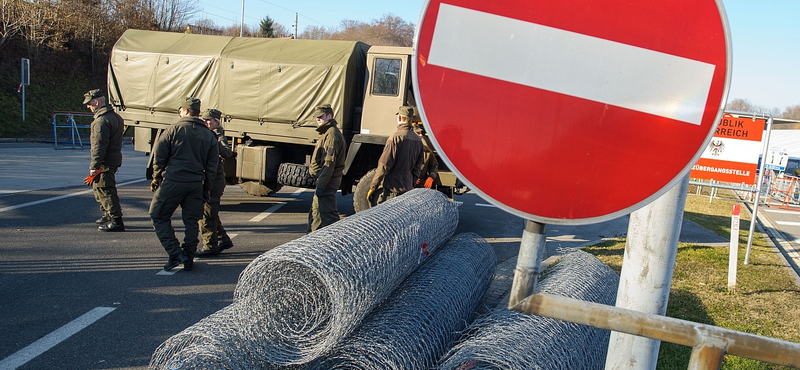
{"x": 241, "y": 28}
{"x": 295, "y": 26}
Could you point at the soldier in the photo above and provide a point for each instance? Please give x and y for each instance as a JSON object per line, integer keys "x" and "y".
{"x": 215, "y": 238}
{"x": 401, "y": 160}
{"x": 106, "y": 138}
{"x": 185, "y": 159}
{"x": 327, "y": 165}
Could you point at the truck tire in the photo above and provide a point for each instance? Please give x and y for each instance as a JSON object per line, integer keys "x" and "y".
{"x": 259, "y": 190}
{"x": 360, "y": 195}
{"x": 293, "y": 174}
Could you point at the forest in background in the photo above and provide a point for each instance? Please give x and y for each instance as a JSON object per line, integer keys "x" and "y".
{"x": 68, "y": 43}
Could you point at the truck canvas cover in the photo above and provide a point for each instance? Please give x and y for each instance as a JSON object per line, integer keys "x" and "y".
{"x": 252, "y": 80}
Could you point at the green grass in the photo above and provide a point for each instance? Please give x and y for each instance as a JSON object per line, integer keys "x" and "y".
{"x": 766, "y": 300}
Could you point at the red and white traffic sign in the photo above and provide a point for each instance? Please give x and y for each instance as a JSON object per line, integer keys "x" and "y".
{"x": 571, "y": 111}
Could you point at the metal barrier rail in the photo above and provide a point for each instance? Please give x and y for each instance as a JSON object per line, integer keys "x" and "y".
{"x": 709, "y": 343}
{"x": 72, "y": 132}
{"x": 786, "y": 189}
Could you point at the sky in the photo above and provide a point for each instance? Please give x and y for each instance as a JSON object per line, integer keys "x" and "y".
{"x": 765, "y": 37}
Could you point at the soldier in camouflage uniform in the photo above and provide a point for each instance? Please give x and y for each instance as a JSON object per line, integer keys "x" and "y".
{"x": 215, "y": 238}
{"x": 185, "y": 160}
{"x": 106, "y": 138}
{"x": 400, "y": 163}
{"x": 327, "y": 165}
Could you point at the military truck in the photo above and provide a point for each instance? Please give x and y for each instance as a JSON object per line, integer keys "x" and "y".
{"x": 267, "y": 90}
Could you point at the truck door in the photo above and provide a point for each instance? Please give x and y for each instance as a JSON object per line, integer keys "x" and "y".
{"x": 387, "y": 89}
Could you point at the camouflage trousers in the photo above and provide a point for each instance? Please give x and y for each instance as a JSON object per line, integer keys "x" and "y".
{"x": 324, "y": 210}
{"x": 105, "y": 192}
{"x": 210, "y": 226}
{"x": 166, "y": 199}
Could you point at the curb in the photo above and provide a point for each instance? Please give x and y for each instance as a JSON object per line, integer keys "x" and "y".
{"x": 20, "y": 140}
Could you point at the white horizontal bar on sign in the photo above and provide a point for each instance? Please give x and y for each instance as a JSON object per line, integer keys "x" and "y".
{"x": 734, "y": 150}
{"x": 570, "y": 63}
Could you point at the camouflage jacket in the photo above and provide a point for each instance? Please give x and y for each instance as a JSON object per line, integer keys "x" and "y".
{"x": 106, "y": 138}
{"x": 327, "y": 161}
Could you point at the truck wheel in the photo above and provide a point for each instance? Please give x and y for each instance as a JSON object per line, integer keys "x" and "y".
{"x": 293, "y": 174}
{"x": 259, "y": 190}
{"x": 360, "y": 195}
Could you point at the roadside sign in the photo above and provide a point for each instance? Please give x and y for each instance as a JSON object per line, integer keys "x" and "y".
{"x": 776, "y": 160}
{"x": 732, "y": 154}
{"x": 571, "y": 111}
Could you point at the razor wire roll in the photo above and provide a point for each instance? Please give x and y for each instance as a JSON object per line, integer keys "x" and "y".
{"x": 511, "y": 340}
{"x": 296, "y": 301}
{"x": 423, "y": 317}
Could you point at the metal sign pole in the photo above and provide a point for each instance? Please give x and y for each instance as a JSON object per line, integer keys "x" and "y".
{"x": 25, "y": 80}
{"x": 529, "y": 262}
{"x": 646, "y": 276}
{"x": 754, "y": 216}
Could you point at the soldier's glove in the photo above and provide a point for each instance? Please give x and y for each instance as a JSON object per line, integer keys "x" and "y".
{"x": 154, "y": 185}
{"x": 89, "y": 180}
{"x": 429, "y": 182}
{"x": 416, "y": 183}
{"x": 369, "y": 195}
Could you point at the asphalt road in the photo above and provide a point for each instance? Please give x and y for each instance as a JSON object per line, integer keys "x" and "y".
{"x": 72, "y": 297}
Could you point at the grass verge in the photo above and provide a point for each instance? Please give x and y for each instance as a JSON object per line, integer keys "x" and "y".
{"x": 765, "y": 301}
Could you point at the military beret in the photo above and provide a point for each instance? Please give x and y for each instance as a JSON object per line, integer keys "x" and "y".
{"x": 92, "y": 94}
{"x": 191, "y": 103}
{"x": 323, "y": 109}
{"x": 212, "y": 113}
{"x": 406, "y": 111}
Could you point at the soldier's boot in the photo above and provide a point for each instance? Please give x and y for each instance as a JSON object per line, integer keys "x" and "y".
{"x": 115, "y": 225}
{"x": 206, "y": 251}
{"x": 104, "y": 219}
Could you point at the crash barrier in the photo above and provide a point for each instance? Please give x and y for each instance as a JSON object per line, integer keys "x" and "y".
{"x": 709, "y": 343}
{"x": 68, "y": 132}
{"x": 421, "y": 320}
{"x": 786, "y": 190}
{"x": 506, "y": 339}
{"x": 295, "y": 302}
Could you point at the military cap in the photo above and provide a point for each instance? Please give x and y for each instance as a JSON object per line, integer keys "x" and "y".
{"x": 191, "y": 103}
{"x": 212, "y": 113}
{"x": 321, "y": 110}
{"x": 406, "y": 111}
{"x": 92, "y": 94}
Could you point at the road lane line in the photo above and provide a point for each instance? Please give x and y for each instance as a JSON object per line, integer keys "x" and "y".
{"x": 298, "y": 192}
{"x": 42, "y": 345}
{"x": 23, "y": 205}
{"x": 787, "y": 223}
{"x": 268, "y": 212}
{"x": 485, "y": 205}
{"x": 555, "y": 60}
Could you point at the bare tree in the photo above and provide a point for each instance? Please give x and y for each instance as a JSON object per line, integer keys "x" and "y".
{"x": 389, "y": 30}
{"x": 172, "y": 15}
{"x": 315, "y": 33}
{"x": 741, "y": 105}
{"x": 13, "y": 19}
{"x": 792, "y": 112}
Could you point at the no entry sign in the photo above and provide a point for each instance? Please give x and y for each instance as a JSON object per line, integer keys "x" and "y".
{"x": 571, "y": 111}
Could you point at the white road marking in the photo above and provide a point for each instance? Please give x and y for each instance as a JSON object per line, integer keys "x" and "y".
{"x": 268, "y": 212}
{"x": 570, "y": 63}
{"x": 298, "y": 192}
{"x": 784, "y": 211}
{"x": 485, "y": 205}
{"x": 787, "y": 223}
{"x": 40, "y": 346}
{"x": 23, "y": 205}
